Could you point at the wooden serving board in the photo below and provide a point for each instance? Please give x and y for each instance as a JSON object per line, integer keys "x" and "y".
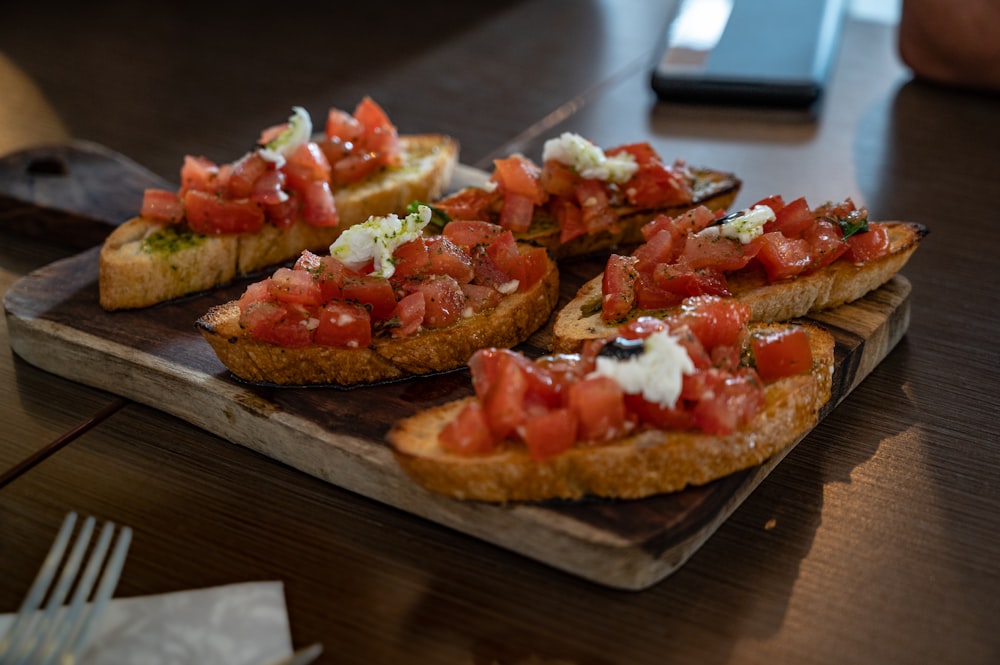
{"x": 150, "y": 356}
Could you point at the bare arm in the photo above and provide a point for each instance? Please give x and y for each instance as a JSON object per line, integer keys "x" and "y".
{"x": 955, "y": 43}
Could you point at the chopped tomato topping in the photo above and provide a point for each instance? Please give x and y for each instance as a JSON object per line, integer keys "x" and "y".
{"x": 554, "y": 403}
{"x": 259, "y": 188}
{"x": 435, "y": 281}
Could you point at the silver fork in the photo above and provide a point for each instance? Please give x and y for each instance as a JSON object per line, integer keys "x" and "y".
{"x": 60, "y": 631}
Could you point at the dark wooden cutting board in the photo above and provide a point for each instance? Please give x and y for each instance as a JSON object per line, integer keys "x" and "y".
{"x": 153, "y": 355}
{"x": 75, "y": 194}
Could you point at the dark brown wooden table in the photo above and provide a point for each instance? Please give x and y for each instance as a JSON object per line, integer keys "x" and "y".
{"x": 875, "y": 540}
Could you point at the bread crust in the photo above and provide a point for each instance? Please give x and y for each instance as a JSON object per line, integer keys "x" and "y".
{"x": 642, "y": 464}
{"x": 131, "y": 277}
{"x": 512, "y": 321}
{"x": 839, "y": 283}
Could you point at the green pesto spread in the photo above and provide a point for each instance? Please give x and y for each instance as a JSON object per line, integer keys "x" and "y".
{"x": 171, "y": 239}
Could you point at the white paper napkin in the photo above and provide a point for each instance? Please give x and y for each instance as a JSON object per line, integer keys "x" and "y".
{"x": 238, "y": 624}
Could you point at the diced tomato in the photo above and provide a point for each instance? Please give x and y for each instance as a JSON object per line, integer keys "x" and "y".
{"x": 549, "y": 433}
{"x": 718, "y": 253}
{"x": 209, "y": 213}
{"x": 558, "y": 179}
{"x": 284, "y": 213}
{"x": 409, "y": 314}
{"x": 599, "y": 404}
{"x": 792, "y": 219}
{"x": 782, "y": 257}
{"x": 504, "y": 396}
{"x": 643, "y": 152}
{"x": 318, "y": 205}
{"x": 329, "y": 273}
{"x": 162, "y": 205}
{"x": 444, "y": 300}
{"x": 618, "y": 287}
{"x": 715, "y": 321}
{"x": 659, "y": 248}
{"x": 527, "y": 267}
{"x": 344, "y": 324}
{"x": 268, "y": 189}
{"x": 517, "y": 212}
{"x": 682, "y": 279}
{"x": 479, "y": 297}
{"x": 658, "y": 416}
{"x": 729, "y": 401}
{"x": 286, "y": 325}
{"x": 306, "y": 164}
{"x": 868, "y": 245}
{"x": 198, "y": 173}
{"x": 295, "y": 286}
{"x": 244, "y": 175}
{"x": 782, "y": 353}
{"x": 826, "y": 243}
{"x": 568, "y": 216}
{"x": 656, "y": 185}
{"x": 468, "y": 433}
{"x": 519, "y": 176}
{"x": 410, "y": 260}
{"x": 504, "y": 253}
{"x": 256, "y": 292}
{"x": 649, "y": 296}
{"x": 775, "y": 202}
{"x": 373, "y": 292}
{"x": 471, "y": 203}
{"x": 447, "y": 258}
{"x": 472, "y": 233}
{"x": 380, "y": 135}
{"x": 354, "y": 167}
{"x": 595, "y": 207}
{"x": 343, "y": 126}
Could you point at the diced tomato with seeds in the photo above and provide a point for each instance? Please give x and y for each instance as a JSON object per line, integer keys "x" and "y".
{"x": 468, "y": 433}
{"x": 446, "y": 258}
{"x": 872, "y": 244}
{"x": 599, "y": 404}
{"x": 782, "y": 353}
{"x": 618, "y": 287}
{"x": 444, "y": 300}
{"x": 162, "y": 205}
{"x": 295, "y": 286}
{"x": 344, "y": 324}
{"x": 409, "y": 314}
{"x": 783, "y": 257}
{"x": 209, "y": 213}
{"x": 549, "y": 433}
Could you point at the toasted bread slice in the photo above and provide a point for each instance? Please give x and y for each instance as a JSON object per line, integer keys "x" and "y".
{"x": 429, "y": 350}
{"x": 839, "y": 283}
{"x": 144, "y": 262}
{"x": 642, "y": 464}
{"x": 716, "y": 190}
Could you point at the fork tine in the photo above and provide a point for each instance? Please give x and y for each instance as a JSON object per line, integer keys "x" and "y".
{"x": 83, "y": 625}
{"x": 26, "y": 614}
{"x": 63, "y": 630}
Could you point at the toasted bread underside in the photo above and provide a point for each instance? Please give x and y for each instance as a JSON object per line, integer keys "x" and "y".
{"x": 131, "y": 276}
{"x": 715, "y": 190}
{"x": 837, "y": 284}
{"x": 429, "y": 350}
{"x": 642, "y": 464}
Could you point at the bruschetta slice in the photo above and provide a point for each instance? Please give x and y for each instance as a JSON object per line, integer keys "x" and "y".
{"x": 387, "y": 302}
{"x": 783, "y": 260}
{"x": 662, "y": 405}
{"x": 291, "y": 193}
{"x": 584, "y": 200}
